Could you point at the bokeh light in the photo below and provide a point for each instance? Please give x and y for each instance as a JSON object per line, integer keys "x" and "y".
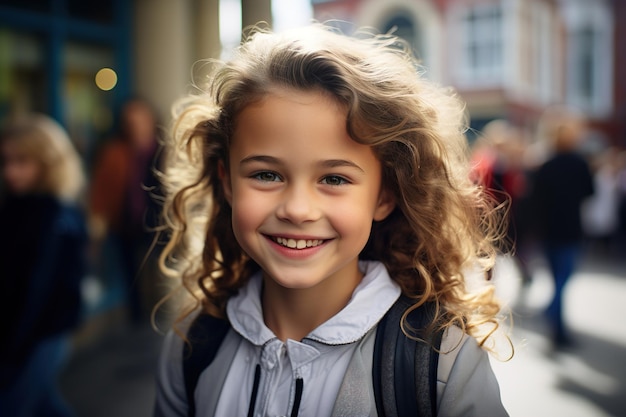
{"x": 106, "y": 79}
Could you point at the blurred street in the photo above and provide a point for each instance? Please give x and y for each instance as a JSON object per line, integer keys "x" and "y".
{"x": 115, "y": 377}
{"x": 585, "y": 380}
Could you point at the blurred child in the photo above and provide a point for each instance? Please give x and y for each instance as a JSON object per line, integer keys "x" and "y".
{"x": 317, "y": 184}
{"x": 42, "y": 258}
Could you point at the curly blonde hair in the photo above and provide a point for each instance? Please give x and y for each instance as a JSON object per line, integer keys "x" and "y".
{"x": 443, "y": 225}
{"x": 47, "y": 142}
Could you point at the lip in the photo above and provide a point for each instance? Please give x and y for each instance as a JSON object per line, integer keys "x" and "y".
{"x": 295, "y": 253}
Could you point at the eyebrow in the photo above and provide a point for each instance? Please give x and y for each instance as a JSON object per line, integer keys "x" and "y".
{"x": 328, "y": 163}
{"x": 260, "y": 158}
{"x": 335, "y": 163}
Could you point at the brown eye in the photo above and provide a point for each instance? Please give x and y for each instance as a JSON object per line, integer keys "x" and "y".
{"x": 334, "y": 180}
{"x": 266, "y": 176}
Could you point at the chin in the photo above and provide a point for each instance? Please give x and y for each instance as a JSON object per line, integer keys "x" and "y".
{"x": 289, "y": 281}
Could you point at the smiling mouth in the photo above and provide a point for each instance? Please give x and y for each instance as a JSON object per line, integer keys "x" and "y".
{"x": 297, "y": 243}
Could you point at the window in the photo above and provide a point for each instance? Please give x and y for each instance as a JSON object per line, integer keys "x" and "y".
{"x": 87, "y": 110}
{"x": 481, "y": 43}
{"x": 42, "y": 69}
{"x": 404, "y": 28}
{"x": 590, "y": 57}
{"x": 22, "y": 73}
{"x": 584, "y": 59}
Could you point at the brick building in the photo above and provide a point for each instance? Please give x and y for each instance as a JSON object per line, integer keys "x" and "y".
{"x": 511, "y": 58}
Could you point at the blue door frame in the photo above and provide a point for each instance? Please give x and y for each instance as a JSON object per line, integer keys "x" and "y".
{"x": 56, "y": 28}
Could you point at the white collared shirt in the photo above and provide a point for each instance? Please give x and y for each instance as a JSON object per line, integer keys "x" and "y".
{"x": 320, "y": 359}
{"x": 466, "y": 385}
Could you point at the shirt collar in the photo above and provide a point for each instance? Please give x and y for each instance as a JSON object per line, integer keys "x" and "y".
{"x": 371, "y": 299}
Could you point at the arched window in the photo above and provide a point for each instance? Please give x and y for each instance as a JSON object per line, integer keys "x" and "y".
{"x": 406, "y": 29}
{"x": 481, "y": 43}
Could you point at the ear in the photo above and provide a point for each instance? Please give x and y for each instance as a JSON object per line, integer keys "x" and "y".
{"x": 224, "y": 175}
{"x": 385, "y": 205}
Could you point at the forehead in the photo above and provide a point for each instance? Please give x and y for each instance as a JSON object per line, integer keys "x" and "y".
{"x": 12, "y": 145}
{"x": 22, "y": 145}
{"x": 289, "y": 117}
{"x": 292, "y": 98}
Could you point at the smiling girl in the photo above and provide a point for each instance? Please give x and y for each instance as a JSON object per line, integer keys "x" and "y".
{"x": 317, "y": 181}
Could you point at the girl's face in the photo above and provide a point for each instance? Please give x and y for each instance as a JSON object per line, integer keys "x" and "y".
{"x": 303, "y": 193}
{"x": 20, "y": 171}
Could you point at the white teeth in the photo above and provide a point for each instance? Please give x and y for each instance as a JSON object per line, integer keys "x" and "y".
{"x": 298, "y": 244}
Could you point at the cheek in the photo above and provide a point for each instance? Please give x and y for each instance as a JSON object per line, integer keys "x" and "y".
{"x": 352, "y": 219}
{"x": 32, "y": 174}
{"x": 23, "y": 174}
{"x": 249, "y": 211}
{"x": 33, "y": 171}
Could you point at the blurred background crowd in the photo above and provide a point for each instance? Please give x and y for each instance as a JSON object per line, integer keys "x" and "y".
{"x": 85, "y": 92}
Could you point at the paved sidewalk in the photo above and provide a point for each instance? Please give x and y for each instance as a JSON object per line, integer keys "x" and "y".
{"x": 115, "y": 377}
{"x": 585, "y": 380}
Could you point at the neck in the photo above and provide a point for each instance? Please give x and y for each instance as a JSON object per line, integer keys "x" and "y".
{"x": 294, "y": 313}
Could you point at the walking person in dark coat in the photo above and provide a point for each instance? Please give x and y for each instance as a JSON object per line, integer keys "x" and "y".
{"x": 562, "y": 183}
{"x": 42, "y": 259}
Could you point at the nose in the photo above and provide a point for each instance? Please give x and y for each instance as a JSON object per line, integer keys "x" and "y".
{"x": 299, "y": 204}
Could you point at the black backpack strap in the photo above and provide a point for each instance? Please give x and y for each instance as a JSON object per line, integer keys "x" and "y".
{"x": 403, "y": 385}
{"x": 205, "y": 336}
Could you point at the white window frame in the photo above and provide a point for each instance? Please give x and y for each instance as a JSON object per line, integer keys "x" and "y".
{"x": 544, "y": 38}
{"x": 481, "y": 45}
{"x": 593, "y": 16}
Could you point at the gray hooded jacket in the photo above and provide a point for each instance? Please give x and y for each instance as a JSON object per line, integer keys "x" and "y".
{"x": 334, "y": 362}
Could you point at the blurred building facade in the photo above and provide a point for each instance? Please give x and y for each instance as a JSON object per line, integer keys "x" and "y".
{"x": 51, "y": 51}
{"x": 511, "y": 59}
{"x": 49, "y": 55}
{"x": 508, "y": 58}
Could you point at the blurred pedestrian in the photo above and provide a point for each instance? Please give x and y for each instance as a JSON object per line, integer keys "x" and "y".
{"x": 42, "y": 259}
{"x": 120, "y": 200}
{"x": 498, "y": 165}
{"x": 562, "y": 183}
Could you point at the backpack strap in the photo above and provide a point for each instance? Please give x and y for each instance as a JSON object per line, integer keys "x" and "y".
{"x": 205, "y": 336}
{"x": 403, "y": 385}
